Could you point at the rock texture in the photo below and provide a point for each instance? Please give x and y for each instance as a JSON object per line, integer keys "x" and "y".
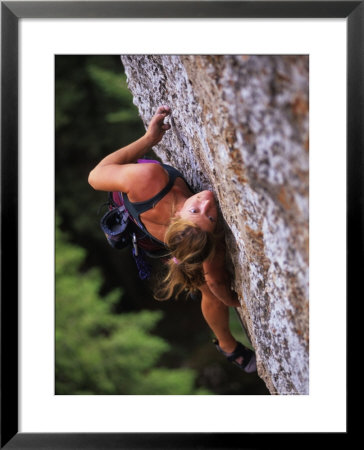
{"x": 240, "y": 128}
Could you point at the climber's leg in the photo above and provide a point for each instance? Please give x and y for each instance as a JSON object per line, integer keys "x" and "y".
{"x": 216, "y": 315}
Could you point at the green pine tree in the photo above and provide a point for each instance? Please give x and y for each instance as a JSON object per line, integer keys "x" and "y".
{"x": 100, "y": 352}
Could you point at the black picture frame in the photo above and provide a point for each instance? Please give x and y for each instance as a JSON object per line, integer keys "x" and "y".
{"x": 11, "y": 12}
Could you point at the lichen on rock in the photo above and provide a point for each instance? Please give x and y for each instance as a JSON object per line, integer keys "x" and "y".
{"x": 239, "y": 126}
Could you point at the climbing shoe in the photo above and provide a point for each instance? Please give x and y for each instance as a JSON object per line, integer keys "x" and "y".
{"x": 249, "y": 360}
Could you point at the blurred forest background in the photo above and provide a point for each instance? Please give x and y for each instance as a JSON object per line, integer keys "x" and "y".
{"x": 112, "y": 336}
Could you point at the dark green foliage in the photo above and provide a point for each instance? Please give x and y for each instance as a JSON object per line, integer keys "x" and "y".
{"x": 94, "y": 116}
{"x": 90, "y": 92}
{"x": 98, "y": 352}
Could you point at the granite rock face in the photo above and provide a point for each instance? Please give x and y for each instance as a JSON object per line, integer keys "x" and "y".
{"x": 239, "y": 126}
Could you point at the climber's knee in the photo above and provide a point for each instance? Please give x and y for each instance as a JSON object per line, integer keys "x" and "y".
{"x": 209, "y": 300}
{"x": 230, "y": 299}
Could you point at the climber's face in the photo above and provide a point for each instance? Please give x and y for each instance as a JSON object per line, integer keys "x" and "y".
{"x": 201, "y": 209}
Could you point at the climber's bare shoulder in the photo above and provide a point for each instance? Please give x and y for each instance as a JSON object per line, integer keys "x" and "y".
{"x": 137, "y": 180}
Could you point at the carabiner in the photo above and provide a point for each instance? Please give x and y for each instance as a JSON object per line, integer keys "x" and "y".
{"x": 135, "y": 245}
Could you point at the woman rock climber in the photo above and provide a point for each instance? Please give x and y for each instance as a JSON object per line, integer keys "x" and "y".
{"x": 186, "y": 223}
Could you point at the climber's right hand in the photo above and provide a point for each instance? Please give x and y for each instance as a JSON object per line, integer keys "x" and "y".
{"x": 157, "y": 127}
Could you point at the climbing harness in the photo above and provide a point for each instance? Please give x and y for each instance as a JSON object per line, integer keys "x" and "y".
{"x": 121, "y": 231}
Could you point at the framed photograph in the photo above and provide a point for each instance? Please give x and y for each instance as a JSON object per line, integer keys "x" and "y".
{"x": 33, "y": 36}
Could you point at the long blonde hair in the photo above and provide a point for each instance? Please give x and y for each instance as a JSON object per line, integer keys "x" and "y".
{"x": 190, "y": 246}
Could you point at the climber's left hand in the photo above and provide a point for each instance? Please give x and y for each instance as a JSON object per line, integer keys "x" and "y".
{"x": 157, "y": 127}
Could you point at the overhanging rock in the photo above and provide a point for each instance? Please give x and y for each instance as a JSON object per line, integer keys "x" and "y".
{"x": 239, "y": 127}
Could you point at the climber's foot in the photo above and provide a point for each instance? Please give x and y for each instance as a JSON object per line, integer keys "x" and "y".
{"x": 228, "y": 348}
{"x": 241, "y": 356}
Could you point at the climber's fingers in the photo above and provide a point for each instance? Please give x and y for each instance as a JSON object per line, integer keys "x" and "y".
{"x": 157, "y": 123}
{"x": 157, "y": 127}
{"x": 163, "y": 109}
{"x": 158, "y": 118}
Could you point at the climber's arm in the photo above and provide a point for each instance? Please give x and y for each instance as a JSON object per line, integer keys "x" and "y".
{"x": 122, "y": 177}
{"x": 117, "y": 171}
{"x": 218, "y": 279}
